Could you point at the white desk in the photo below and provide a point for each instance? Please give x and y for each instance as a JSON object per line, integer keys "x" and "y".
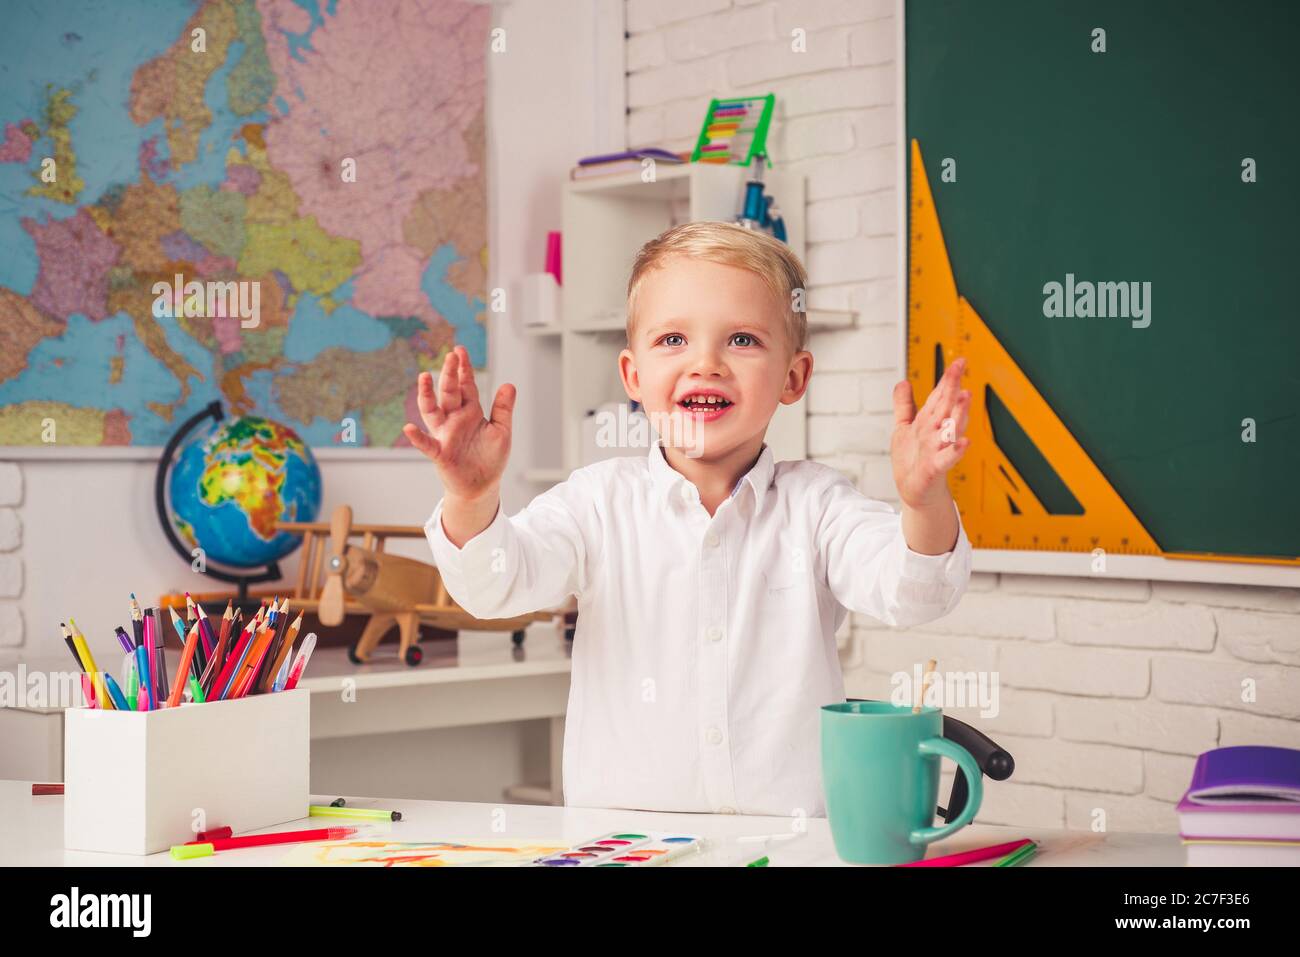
{"x": 31, "y": 834}
{"x": 480, "y": 678}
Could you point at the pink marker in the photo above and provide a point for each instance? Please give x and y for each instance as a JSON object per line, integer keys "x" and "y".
{"x": 150, "y": 655}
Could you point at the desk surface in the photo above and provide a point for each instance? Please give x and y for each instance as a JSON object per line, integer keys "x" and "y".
{"x": 31, "y": 834}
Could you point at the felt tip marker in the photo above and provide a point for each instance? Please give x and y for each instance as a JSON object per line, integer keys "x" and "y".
{"x": 317, "y": 810}
{"x": 185, "y": 852}
{"x": 115, "y": 692}
{"x": 142, "y": 670}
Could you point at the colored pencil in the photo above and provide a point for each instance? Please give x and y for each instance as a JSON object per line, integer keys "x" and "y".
{"x": 137, "y": 621}
{"x": 72, "y": 646}
{"x": 96, "y": 677}
{"x": 187, "y": 658}
{"x": 205, "y": 631}
{"x": 233, "y": 661}
{"x": 282, "y": 652}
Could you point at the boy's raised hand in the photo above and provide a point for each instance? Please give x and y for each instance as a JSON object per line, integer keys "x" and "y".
{"x": 926, "y": 444}
{"x": 469, "y": 451}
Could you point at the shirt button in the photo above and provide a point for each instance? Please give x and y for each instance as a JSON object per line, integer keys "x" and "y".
{"x": 711, "y": 539}
{"x": 714, "y": 736}
{"x": 714, "y": 633}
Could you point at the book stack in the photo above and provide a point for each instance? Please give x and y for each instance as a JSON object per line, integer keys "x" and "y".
{"x": 1243, "y": 808}
{"x": 631, "y": 161}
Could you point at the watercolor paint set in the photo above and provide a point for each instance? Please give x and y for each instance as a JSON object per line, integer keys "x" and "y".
{"x": 626, "y": 849}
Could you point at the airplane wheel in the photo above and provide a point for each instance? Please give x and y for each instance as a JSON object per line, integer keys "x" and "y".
{"x": 352, "y": 655}
{"x": 518, "y": 637}
{"x": 414, "y": 655}
{"x": 568, "y": 633}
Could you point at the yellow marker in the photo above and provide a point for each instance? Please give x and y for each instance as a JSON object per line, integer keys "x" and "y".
{"x": 317, "y": 810}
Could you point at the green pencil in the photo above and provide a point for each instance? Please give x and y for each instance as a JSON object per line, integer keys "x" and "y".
{"x": 1019, "y": 855}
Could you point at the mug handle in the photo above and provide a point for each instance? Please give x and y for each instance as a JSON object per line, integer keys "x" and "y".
{"x": 942, "y": 747}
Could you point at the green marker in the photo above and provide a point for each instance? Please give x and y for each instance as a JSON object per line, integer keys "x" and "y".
{"x": 195, "y": 691}
{"x": 317, "y": 810}
{"x": 132, "y": 685}
{"x": 761, "y": 862}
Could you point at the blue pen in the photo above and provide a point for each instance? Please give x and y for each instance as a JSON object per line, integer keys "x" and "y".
{"x": 283, "y": 676}
{"x": 114, "y": 692}
{"x": 142, "y": 669}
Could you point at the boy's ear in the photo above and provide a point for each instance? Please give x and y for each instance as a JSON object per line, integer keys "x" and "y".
{"x": 627, "y": 372}
{"x": 796, "y": 380}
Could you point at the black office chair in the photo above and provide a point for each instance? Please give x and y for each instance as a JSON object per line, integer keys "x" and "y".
{"x": 995, "y": 762}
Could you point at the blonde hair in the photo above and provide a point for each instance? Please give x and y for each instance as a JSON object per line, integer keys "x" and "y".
{"x": 731, "y": 245}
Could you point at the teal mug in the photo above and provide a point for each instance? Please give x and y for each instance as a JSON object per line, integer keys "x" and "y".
{"x": 880, "y": 770}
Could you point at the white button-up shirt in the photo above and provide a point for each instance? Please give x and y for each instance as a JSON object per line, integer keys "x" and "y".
{"x": 705, "y": 646}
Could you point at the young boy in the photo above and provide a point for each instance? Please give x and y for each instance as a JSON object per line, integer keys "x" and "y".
{"x": 710, "y": 579}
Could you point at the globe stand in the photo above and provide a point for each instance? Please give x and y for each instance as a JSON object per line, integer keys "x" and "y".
{"x": 240, "y": 581}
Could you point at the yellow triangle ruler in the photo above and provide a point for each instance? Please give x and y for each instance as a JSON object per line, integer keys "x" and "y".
{"x": 998, "y": 508}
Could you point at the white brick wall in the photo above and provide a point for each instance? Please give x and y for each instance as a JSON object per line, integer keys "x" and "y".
{"x": 1108, "y": 688}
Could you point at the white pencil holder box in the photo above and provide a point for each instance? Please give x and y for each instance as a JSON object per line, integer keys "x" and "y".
{"x": 137, "y": 782}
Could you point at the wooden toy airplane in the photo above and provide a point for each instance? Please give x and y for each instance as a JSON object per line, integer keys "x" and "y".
{"x": 338, "y": 578}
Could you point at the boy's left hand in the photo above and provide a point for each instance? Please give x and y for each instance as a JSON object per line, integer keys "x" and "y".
{"x": 926, "y": 444}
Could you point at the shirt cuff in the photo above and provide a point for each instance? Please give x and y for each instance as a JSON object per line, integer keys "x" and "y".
{"x": 950, "y": 566}
{"x": 472, "y": 561}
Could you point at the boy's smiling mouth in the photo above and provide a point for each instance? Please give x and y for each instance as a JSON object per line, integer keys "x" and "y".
{"x": 705, "y": 405}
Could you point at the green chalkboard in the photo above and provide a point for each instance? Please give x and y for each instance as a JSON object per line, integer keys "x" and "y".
{"x": 1127, "y": 166}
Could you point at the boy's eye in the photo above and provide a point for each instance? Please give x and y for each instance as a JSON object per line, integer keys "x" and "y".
{"x": 740, "y": 339}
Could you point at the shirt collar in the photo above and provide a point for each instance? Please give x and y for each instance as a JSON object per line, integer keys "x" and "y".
{"x": 666, "y": 480}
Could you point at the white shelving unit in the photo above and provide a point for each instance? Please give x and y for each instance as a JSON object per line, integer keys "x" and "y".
{"x": 605, "y": 222}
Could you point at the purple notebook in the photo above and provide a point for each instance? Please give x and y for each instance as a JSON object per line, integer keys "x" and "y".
{"x": 651, "y": 152}
{"x": 1247, "y": 775}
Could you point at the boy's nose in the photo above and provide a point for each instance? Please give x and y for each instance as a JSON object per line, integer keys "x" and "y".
{"x": 708, "y": 361}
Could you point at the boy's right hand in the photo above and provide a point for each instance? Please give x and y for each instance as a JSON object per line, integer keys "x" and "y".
{"x": 469, "y": 451}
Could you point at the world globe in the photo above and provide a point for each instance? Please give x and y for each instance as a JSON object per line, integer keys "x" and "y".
{"x": 233, "y": 481}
